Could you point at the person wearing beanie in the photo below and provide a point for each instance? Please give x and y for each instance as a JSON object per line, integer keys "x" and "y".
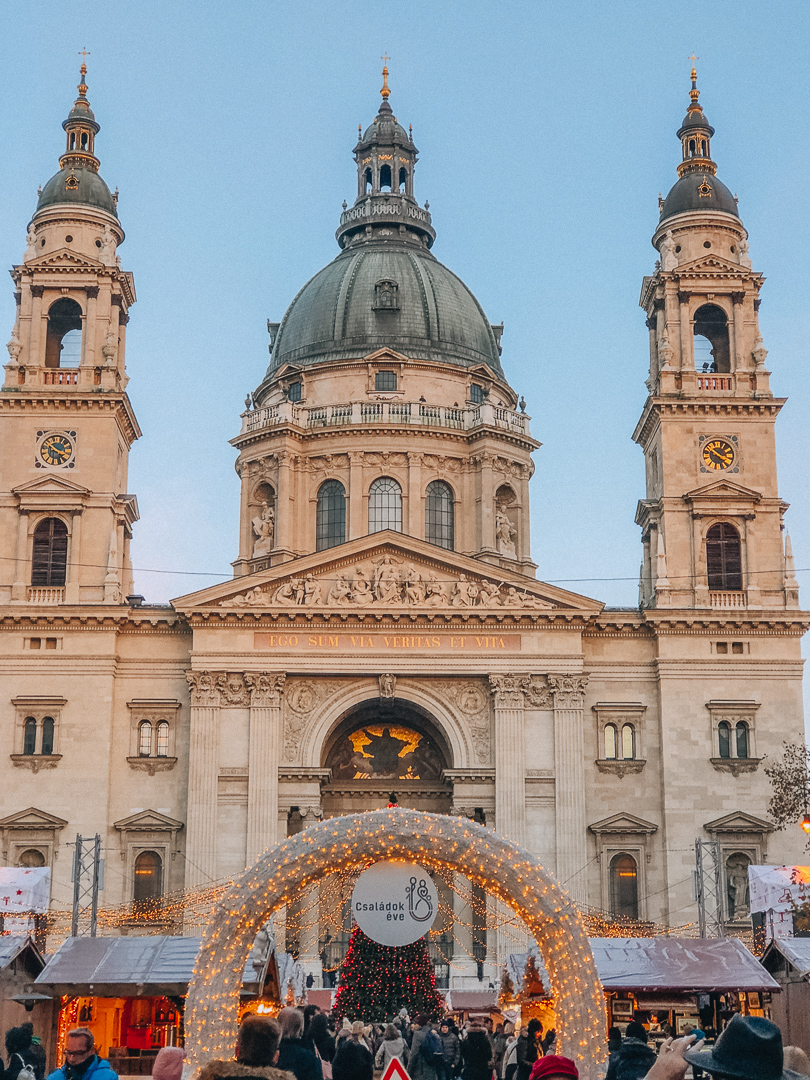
{"x": 168, "y": 1064}
{"x": 21, "y": 1052}
{"x": 256, "y": 1054}
{"x": 554, "y": 1067}
{"x": 635, "y": 1058}
{"x": 529, "y": 1048}
{"x": 795, "y": 1058}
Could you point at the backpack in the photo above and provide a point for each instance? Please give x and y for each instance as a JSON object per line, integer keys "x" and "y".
{"x": 431, "y": 1046}
{"x": 26, "y": 1071}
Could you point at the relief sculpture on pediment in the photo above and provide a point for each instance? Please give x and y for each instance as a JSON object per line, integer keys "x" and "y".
{"x": 387, "y": 581}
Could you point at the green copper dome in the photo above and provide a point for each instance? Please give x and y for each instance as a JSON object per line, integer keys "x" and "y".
{"x": 76, "y": 185}
{"x": 429, "y": 313}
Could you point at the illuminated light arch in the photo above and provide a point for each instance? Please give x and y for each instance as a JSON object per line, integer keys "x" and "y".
{"x": 436, "y": 841}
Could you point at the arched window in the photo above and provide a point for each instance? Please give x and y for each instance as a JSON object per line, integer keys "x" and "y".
{"x": 145, "y": 738}
{"x": 49, "y": 556}
{"x": 47, "y": 735}
{"x": 691, "y": 148}
{"x": 628, "y": 742}
{"x": 741, "y": 732}
{"x": 724, "y": 739}
{"x": 384, "y": 505}
{"x": 368, "y": 181}
{"x": 385, "y": 178}
{"x": 30, "y": 738}
{"x": 163, "y": 739}
{"x": 72, "y": 140}
{"x": 403, "y": 179}
{"x": 439, "y": 514}
{"x": 330, "y": 517}
{"x": 148, "y": 877}
{"x": 63, "y": 341}
{"x": 624, "y": 885}
{"x": 84, "y": 140}
{"x": 610, "y": 742}
{"x": 711, "y": 339}
{"x": 30, "y": 858}
{"x": 723, "y": 557}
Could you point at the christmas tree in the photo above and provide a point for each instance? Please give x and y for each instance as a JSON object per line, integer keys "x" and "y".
{"x": 376, "y": 981}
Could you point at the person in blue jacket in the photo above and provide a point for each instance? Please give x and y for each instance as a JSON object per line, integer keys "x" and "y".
{"x": 81, "y": 1060}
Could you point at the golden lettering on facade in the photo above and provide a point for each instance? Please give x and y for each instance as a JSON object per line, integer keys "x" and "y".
{"x": 390, "y": 642}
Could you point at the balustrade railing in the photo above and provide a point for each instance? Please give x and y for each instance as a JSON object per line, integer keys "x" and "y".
{"x": 727, "y": 599}
{"x": 419, "y": 414}
{"x": 45, "y": 595}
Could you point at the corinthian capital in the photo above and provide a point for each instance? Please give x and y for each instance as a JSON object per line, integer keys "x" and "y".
{"x": 265, "y": 688}
{"x": 203, "y": 687}
{"x": 509, "y": 690}
{"x": 568, "y": 690}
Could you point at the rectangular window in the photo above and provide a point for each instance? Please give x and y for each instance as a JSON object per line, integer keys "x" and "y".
{"x": 50, "y": 642}
{"x": 35, "y": 643}
{"x": 385, "y": 380}
{"x": 476, "y": 394}
{"x": 721, "y": 647}
{"x": 737, "y": 647}
{"x": 295, "y": 391}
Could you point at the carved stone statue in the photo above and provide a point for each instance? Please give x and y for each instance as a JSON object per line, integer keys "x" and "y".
{"x": 435, "y": 594}
{"x": 264, "y": 527}
{"x": 361, "y": 593}
{"x": 312, "y": 590}
{"x": 386, "y": 581}
{"x": 340, "y": 592}
{"x": 14, "y": 349}
{"x": 107, "y": 252}
{"x": 745, "y": 258}
{"x": 505, "y": 532}
{"x": 414, "y": 588}
{"x": 760, "y": 353}
{"x": 669, "y": 260}
{"x": 737, "y": 887}
{"x": 460, "y": 596}
{"x": 388, "y": 686}
{"x": 665, "y": 351}
{"x": 30, "y": 240}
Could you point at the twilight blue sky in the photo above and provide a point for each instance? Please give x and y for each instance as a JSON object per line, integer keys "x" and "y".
{"x": 546, "y": 132}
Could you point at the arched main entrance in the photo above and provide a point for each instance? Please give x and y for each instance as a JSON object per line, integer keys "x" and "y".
{"x": 435, "y": 841}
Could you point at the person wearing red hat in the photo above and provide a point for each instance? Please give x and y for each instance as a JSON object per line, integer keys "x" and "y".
{"x": 554, "y": 1067}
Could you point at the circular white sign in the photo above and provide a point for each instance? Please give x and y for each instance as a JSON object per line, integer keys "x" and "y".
{"x": 395, "y": 903}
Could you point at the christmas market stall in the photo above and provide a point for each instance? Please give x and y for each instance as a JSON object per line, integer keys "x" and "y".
{"x": 130, "y": 991}
{"x": 20, "y": 963}
{"x": 475, "y": 1005}
{"x": 788, "y": 960}
{"x": 525, "y": 989}
{"x": 677, "y": 983}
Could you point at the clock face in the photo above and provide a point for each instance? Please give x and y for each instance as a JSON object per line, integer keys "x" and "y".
{"x": 717, "y": 454}
{"x": 56, "y": 450}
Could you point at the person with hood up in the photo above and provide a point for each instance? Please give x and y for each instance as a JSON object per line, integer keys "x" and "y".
{"x": 168, "y": 1065}
{"x": 81, "y": 1060}
{"x": 476, "y": 1052}
{"x": 392, "y": 1046}
{"x": 256, "y": 1054}
{"x": 635, "y": 1058}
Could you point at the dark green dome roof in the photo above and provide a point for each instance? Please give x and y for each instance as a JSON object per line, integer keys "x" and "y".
{"x": 685, "y": 196}
{"x": 91, "y": 191}
{"x": 334, "y": 318}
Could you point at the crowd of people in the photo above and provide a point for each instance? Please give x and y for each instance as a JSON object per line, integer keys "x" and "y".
{"x": 306, "y": 1044}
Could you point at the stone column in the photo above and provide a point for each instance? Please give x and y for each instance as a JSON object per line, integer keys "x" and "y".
{"x": 201, "y": 816}
{"x": 739, "y": 361}
{"x": 356, "y": 525}
{"x": 416, "y": 522}
{"x": 284, "y": 504}
{"x": 510, "y": 797}
{"x": 309, "y": 927}
{"x": 569, "y": 753}
{"x": 687, "y": 357}
{"x": 264, "y": 757}
{"x": 463, "y": 968}
{"x": 36, "y": 347}
{"x": 75, "y": 566}
{"x": 18, "y": 588}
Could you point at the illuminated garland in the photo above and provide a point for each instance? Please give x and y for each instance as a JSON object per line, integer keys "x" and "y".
{"x": 434, "y": 840}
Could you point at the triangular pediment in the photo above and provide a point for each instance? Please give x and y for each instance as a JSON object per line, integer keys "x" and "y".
{"x": 386, "y": 355}
{"x": 32, "y": 818}
{"x": 623, "y": 823}
{"x": 64, "y": 258}
{"x": 713, "y": 264}
{"x": 724, "y": 489}
{"x": 51, "y": 484}
{"x": 738, "y": 822}
{"x": 387, "y": 570}
{"x": 148, "y": 820}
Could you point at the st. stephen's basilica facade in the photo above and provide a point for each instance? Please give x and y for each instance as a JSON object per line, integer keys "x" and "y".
{"x": 384, "y": 631}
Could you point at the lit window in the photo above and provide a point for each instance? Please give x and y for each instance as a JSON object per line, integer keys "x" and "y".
{"x": 439, "y": 515}
{"x": 144, "y": 738}
{"x": 163, "y": 739}
{"x": 330, "y": 518}
{"x": 628, "y": 740}
{"x": 624, "y": 885}
{"x": 610, "y": 742}
{"x": 148, "y": 876}
{"x": 385, "y": 380}
{"x": 384, "y": 505}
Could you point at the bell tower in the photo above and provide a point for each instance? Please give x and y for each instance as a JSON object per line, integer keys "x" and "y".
{"x": 712, "y": 517}
{"x": 67, "y": 423}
